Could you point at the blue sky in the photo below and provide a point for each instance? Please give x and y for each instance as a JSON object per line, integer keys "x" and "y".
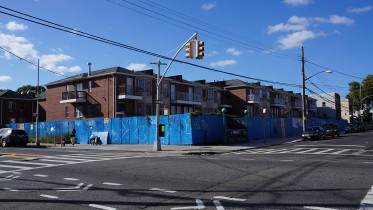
{"x": 257, "y": 39}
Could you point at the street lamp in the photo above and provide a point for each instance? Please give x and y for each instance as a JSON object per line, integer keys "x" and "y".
{"x": 304, "y": 102}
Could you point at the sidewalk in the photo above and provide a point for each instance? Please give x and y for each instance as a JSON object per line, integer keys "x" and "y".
{"x": 176, "y": 149}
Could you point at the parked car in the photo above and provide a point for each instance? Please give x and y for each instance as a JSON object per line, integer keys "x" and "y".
{"x": 352, "y": 128}
{"x": 328, "y": 130}
{"x": 11, "y": 136}
{"x": 332, "y": 129}
{"x": 314, "y": 133}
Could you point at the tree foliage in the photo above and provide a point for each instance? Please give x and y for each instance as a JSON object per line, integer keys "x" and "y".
{"x": 361, "y": 95}
{"x": 27, "y": 88}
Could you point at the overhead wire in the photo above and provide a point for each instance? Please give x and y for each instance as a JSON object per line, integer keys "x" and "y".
{"x": 107, "y": 41}
{"x": 34, "y": 64}
{"x": 205, "y": 32}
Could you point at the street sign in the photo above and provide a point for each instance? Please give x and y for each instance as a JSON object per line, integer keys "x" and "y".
{"x": 158, "y": 102}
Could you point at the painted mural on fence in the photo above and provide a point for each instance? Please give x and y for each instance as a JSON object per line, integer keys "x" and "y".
{"x": 180, "y": 129}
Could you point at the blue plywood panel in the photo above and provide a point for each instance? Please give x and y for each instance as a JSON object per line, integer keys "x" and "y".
{"x": 125, "y": 128}
{"x": 174, "y": 129}
{"x": 142, "y": 125}
{"x": 115, "y": 131}
{"x": 186, "y": 129}
{"x": 83, "y": 130}
{"x": 134, "y": 130}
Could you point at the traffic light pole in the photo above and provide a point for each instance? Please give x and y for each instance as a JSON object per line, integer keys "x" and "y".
{"x": 157, "y": 143}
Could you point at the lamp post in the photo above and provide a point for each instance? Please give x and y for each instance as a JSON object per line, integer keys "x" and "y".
{"x": 304, "y": 79}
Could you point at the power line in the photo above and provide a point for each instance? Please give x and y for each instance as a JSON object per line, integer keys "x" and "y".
{"x": 36, "y": 65}
{"x": 334, "y": 70}
{"x": 222, "y": 38}
{"x": 107, "y": 41}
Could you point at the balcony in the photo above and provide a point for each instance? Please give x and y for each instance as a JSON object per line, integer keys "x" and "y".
{"x": 74, "y": 97}
{"x": 312, "y": 107}
{"x": 186, "y": 98}
{"x": 296, "y": 105}
{"x": 125, "y": 92}
{"x": 253, "y": 99}
{"x": 277, "y": 102}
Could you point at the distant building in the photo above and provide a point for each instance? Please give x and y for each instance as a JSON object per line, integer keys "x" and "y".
{"x": 346, "y": 112}
{"x": 15, "y": 107}
{"x": 328, "y": 105}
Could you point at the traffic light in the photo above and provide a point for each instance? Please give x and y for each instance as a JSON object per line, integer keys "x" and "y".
{"x": 200, "y": 49}
{"x": 189, "y": 51}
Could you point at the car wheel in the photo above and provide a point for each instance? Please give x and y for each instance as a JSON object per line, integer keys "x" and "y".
{"x": 3, "y": 143}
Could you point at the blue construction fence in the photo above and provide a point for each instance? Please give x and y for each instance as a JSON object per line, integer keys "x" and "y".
{"x": 179, "y": 129}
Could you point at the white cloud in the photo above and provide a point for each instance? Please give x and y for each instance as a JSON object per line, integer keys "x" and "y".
{"x": 13, "y": 26}
{"x": 360, "y": 10}
{"x": 295, "y": 3}
{"x": 212, "y": 53}
{"x": 234, "y": 52}
{"x": 223, "y": 63}
{"x": 285, "y": 28}
{"x": 137, "y": 66}
{"x": 5, "y": 78}
{"x": 296, "y": 39}
{"x": 208, "y": 6}
{"x": 335, "y": 19}
{"x": 298, "y": 20}
{"x": 22, "y": 47}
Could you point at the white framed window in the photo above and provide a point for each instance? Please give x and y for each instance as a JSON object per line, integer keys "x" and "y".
{"x": 12, "y": 105}
{"x": 79, "y": 87}
{"x": 90, "y": 86}
{"x": 78, "y": 111}
{"x": 67, "y": 88}
{"x": 210, "y": 95}
{"x": 140, "y": 85}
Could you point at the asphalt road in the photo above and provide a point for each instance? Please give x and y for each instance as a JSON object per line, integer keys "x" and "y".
{"x": 330, "y": 174}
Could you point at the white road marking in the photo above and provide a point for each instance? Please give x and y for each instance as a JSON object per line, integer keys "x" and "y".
{"x": 323, "y": 151}
{"x": 59, "y": 161}
{"x": 315, "y": 145}
{"x": 218, "y": 205}
{"x": 162, "y": 190}
{"x": 367, "y": 202}
{"x": 19, "y": 167}
{"x": 247, "y": 159}
{"x": 49, "y": 196}
{"x": 71, "y": 179}
{"x": 87, "y": 187}
{"x": 101, "y": 207}
{"x": 287, "y": 160}
{"x": 340, "y": 151}
{"x": 30, "y": 163}
{"x": 291, "y": 150}
{"x": 228, "y": 198}
{"x": 318, "y": 208}
{"x": 199, "y": 202}
{"x": 11, "y": 190}
{"x": 112, "y": 184}
{"x": 367, "y": 162}
{"x": 306, "y": 151}
{"x": 40, "y": 175}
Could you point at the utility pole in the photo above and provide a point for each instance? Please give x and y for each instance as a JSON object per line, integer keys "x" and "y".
{"x": 304, "y": 102}
{"x": 157, "y": 143}
{"x": 37, "y": 108}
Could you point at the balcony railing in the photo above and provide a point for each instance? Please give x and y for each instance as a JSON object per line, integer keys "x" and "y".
{"x": 128, "y": 92}
{"x": 296, "y": 104}
{"x": 277, "y": 102}
{"x": 74, "y": 97}
{"x": 252, "y": 98}
{"x": 312, "y": 107}
{"x": 186, "y": 98}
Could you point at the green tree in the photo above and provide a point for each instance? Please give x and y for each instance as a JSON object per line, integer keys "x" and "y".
{"x": 364, "y": 99}
{"x": 26, "y": 88}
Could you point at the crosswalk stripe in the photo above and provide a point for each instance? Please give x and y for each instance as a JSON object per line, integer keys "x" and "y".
{"x": 340, "y": 151}
{"x": 60, "y": 161}
{"x": 19, "y": 167}
{"x": 306, "y": 151}
{"x": 291, "y": 150}
{"x": 323, "y": 151}
{"x": 30, "y": 163}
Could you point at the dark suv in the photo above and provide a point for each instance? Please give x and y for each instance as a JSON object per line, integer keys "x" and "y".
{"x": 332, "y": 129}
{"x": 11, "y": 136}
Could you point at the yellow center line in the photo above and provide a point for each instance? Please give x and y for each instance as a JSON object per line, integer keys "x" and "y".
{"x": 15, "y": 155}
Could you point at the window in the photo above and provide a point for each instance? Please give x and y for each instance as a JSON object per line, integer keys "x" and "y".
{"x": 12, "y": 105}
{"x": 323, "y": 104}
{"x": 66, "y": 112}
{"x": 140, "y": 85}
{"x": 165, "y": 88}
{"x": 79, "y": 87}
{"x": 78, "y": 111}
{"x": 210, "y": 95}
{"x": 90, "y": 86}
{"x": 67, "y": 88}
{"x": 148, "y": 86}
